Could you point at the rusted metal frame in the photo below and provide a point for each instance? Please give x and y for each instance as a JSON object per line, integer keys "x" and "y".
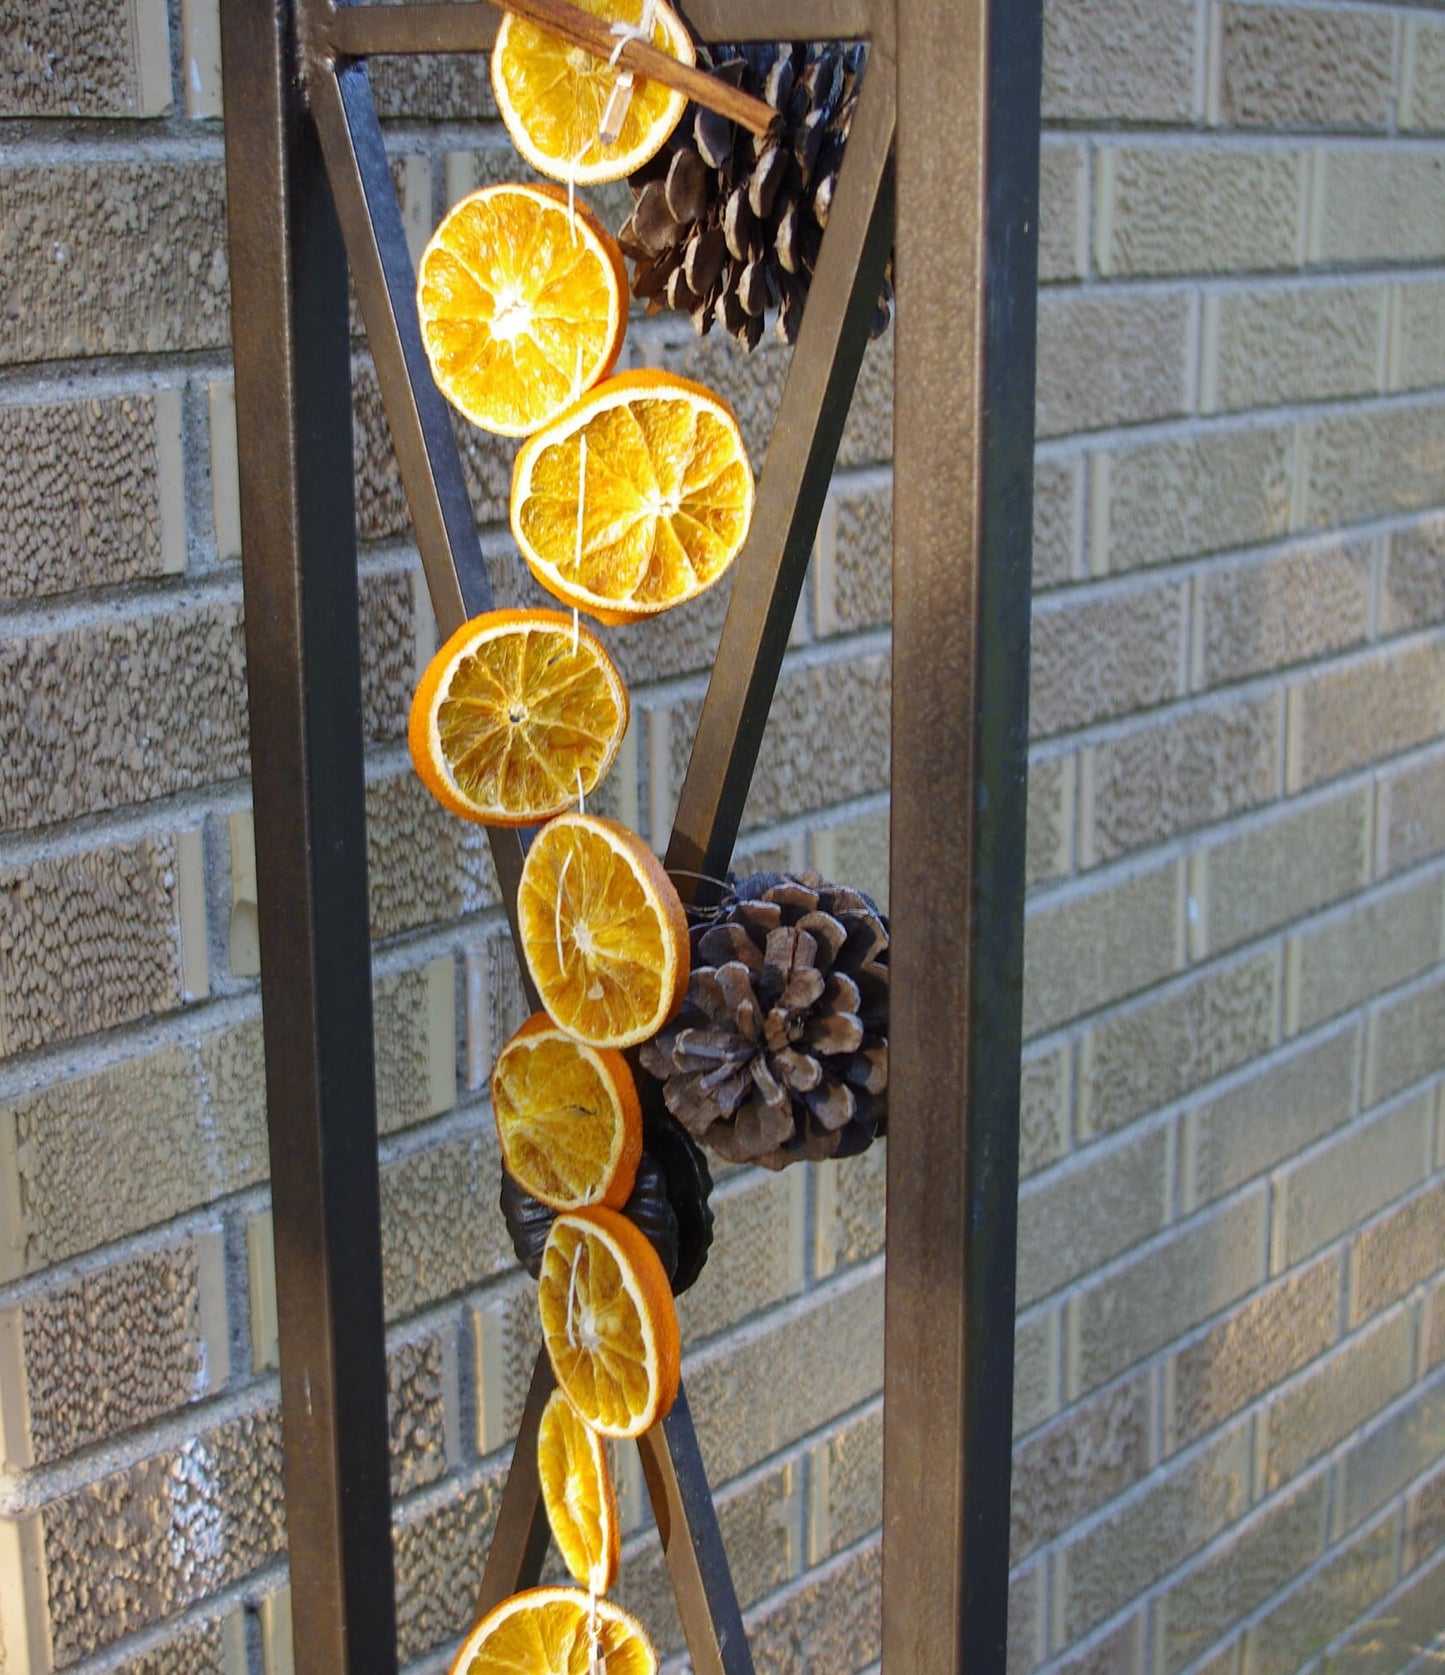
{"x": 968, "y": 157}
{"x": 293, "y": 409}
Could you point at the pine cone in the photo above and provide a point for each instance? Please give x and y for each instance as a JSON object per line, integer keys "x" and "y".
{"x": 727, "y": 225}
{"x": 780, "y": 1052}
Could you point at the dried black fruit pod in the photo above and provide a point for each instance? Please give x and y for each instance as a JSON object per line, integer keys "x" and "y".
{"x": 752, "y": 288}
{"x": 765, "y": 180}
{"x": 685, "y": 188}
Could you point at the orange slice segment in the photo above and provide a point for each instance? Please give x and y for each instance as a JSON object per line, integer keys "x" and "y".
{"x": 609, "y": 1322}
{"x": 602, "y": 930}
{"x": 550, "y": 1631}
{"x": 518, "y": 714}
{"x": 578, "y": 1494}
{"x": 568, "y": 1117}
{"x": 523, "y": 305}
{"x": 553, "y": 97}
{"x": 666, "y": 490}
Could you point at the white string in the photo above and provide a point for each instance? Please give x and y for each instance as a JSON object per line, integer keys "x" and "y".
{"x": 581, "y": 794}
{"x": 596, "y": 1659}
{"x": 609, "y": 129}
{"x": 557, "y": 918}
{"x": 572, "y": 1292}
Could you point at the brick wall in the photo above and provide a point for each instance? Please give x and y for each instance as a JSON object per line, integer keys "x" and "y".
{"x": 1231, "y": 1352}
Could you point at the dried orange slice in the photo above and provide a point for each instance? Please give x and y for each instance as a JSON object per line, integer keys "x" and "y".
{"x": 568, "y": 1117}
{"x": 518, "y": 714}
{"x": 609, "y": 1322}
{"x": 553, "y": 97}
{"x": 523, "y": 305}
{"x": 667, "y": 494}
{"x": 603, "y": 931}
{"x": 550, "y": 1631}
{"x": 578, "y": 1494}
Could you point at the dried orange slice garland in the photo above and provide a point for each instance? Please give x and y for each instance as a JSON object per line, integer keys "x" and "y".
{"x": 635, "y": 499}
{"x": 578, "y": 1494}
{"x": 556, "y": 1631}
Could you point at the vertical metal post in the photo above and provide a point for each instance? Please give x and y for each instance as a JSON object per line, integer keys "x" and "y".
{"x": 293, "y": 409}
{"x": 966, "y": 255}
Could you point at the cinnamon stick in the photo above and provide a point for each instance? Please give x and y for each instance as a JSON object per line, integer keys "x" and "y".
{"x": 592, "y": 34}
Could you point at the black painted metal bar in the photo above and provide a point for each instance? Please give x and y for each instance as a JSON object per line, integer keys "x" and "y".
{"x": 968, "y": 156}
{"x": 293, "y": 410}
{"x": 794, "y": 484}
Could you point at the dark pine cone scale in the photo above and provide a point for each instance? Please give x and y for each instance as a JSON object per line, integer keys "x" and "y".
{"x": 727, "y": 225}
{"x": 780, "y": 1052}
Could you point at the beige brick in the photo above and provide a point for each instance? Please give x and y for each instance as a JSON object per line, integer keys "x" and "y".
{"x": 1111, "y": 359}
{"x": 1119, "y": 1652}
{"x": 1392, "y": 1453}
{"x": 1411, "y": 819}
{"x": 1417, "y": 336}
{"x": 1027, "y": 1638}
{"x": 213, "y": 1646}
{"x": 1097, "y": 946}
{"x": 1165, "y": 1046}
{"x": 98, "y": 938}
{"x": 116, "y": 64}
{"x": 1348, "y": 716}
{"x": 1120, "y": 60}
{"x": 1195, "y": 209}
{"x": 1406, "y": 1629}
{"x": 1159, "y": 1295}
{"x": 1292, "y": 864}
{"x": 1337, "y": 1395}
{"x": 1286, "y": 1638}
{"x": 1425, "y": 1521}
{"x": 848, "y": 1209}
{"x": 496, "y": 1003}
{"x": 92, "y": 493}
{"x": 1086, "y": 1458}
{"x": 434, "y": 87}
{"x": 1370, "y": 463}
{"x": 1053, "y": 794}
{"x": 1412, "y": 590}
{"x": 1261, "y": 1558}
{"x": 1350, "y": 1178}
{"x": 1258, "y": 1346}
{"x": 441, "y": 1232}
{"x": 868, "y": 434}
{"x": 440, "y": 1543}
{"x": 832, "y": 1344}
{"x": 1270, "y": 1116}
{"x": 112, "y": 258}
{"x": 1406, "y": 1042}
{"x": 1036, "y": 1369}
{"x": 757, "y": 1256}
{"x": 154, "y": 1337}
{"x": 1088, "y": 1214}
{"x": 506, "y": 1339}
{"x": 424, "y": 865}
{"x": 829, "y": 1620}
{"x": 1369, "y": 946}
{"x": 1063, "y": 211}
{"x": 121, "y": 712}
{"x": 1284, "y": 609}
{"x": 1107, "y": 1564}
{"x": 391, "y": 660}
{"x": 1433, "y": 1334}
{"x": 845, "y": 1479}
{"x": 1399, "y": 1252}
{"x": 414, "y": 1017}
{"x": 1045, "y": 1087}
{"x": 261, "y": 1291}
{"x": 1187, "y": 495}
{"x": 857, "y": 540}
{"x": 1105, "y": 655}
{"x": 1291, "y": 343}
{"x": 1422, "y": 75}
{"x": 145, "y": 1542}
{"x": 1285, "y": 67}
{"x": 855, "y": 852}
{"x": 1376, "y": 204}
{"x": 421, "y": 1375}
{"x": 1058, "y": 520}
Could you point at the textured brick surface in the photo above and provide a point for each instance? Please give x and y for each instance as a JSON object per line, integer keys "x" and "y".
{"x": 1285, "y": 344}
{"x": 1371, "y": 708}
{"x": 1159, "y": 1294}
{"x": 1406, "y": 1628}
{"x": 1406, "y": 1041}
{"x": 848, "y": 1209}
{"x": 828, "y": 1622}
{"x": 90, "y": 493}
{"x": 845, "y": 1474}
{"x": 1282, "y": 610}
{"x": 1289, "y": 67}
{"x": 1398, "y": 1252}
{"x": 1161, "y": 1048}
{"x": 422, "y": 1403}
{"x": 1045, "y": 1083}
{"x": 1058, "y": 519}
{"x": 1270, "y": 1115}
{"x": 423, "y": 863}
{"x": 113, "y": 258}
{"x": 1036, "y": 1369}
{"x": 1053, "y": 793}
{"x": 1310, "y": 1616}
{"x": 1063, "y": 211}
{"x": 117, "y": 64}
{"x": 1255, "y": 1347}
{"x": 440, "y": 1543}
{"x": 1178, "y": 209}
{"x": 1129, "y": 60}
{"x": 1347, "y": 1180}
{"x": 1366, "y": 464}
{"x": 1377, "y": 204}
{"x": 1416, "y": 352}
{"x": 1110, "y": 360}
{"x": 1412, "y": 589}
{"x": 1356, "y": 953}
{"x": 1393, "y": 1452}
{"x": 1288, "y": 865}
{"x": 757, "y": 1254}
{"x": 1422, "y": 96}
{"x": 862, "y": 557}
{"x": 1100, "y": 945}
{"x": 1105, "y": 655}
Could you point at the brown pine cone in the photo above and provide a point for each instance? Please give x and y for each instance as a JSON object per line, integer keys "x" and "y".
{"x": 781, "y": 1052}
